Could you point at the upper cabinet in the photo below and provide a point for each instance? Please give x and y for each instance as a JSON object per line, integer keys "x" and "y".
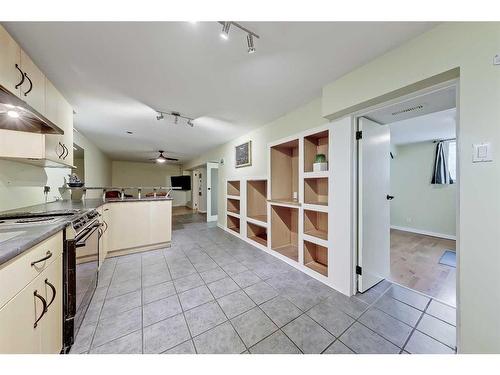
{"x": 23, "y": 78}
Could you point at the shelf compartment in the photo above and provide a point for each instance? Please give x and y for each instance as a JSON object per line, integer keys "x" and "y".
{"x": 233, "y": 205}
{"x": 316, "y": 191}
{"x": 284, "y": 228}
{"x": 316, "y": 257}
{"x": 257, "y": 233}
{"x": 233, "y": 223}
{"x": 233, "y": 188}
{"x": 316, "y": 224}
{"x": 257, "y": 200}
{"x": 315, "y": 144}
{"x": 285, "y": 171}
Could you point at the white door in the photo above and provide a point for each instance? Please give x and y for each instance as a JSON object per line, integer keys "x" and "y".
{"x": 212, "y": 190}
{"x": 373, "y": 203}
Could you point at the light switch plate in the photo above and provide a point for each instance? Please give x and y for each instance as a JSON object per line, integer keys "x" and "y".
{"x": 482, "y": 152}
{"x": 496, "y": 59}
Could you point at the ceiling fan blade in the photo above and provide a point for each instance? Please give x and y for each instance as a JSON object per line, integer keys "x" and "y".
{"x": 173, "y": 159}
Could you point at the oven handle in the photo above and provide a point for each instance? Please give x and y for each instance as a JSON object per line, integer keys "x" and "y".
{"x": 88, "y": 232}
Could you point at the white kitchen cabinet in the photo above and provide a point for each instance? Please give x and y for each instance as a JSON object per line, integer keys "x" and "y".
{"x": 104, "y": 234}
{"x": 128, "y": 225}
{"x": 161, "y": 222}
{"x": 10, "y": 55}
{"x": 21, "y": 145}
{"x": 33, "y": 87}
{"x": 51, "y": 338}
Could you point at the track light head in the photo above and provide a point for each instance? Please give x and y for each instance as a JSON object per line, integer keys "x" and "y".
{"x": 225, "y": 30}
{"x": 190, "y": 123}
{"x": 159, "y": 116}
{"x": 176, "y": 119}
{"x": 251, "y": 47}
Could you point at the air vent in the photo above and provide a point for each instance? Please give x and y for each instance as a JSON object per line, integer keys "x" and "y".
{"x": 406, "y": 110}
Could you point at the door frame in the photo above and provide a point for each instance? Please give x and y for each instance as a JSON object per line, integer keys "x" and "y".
{"x": 356, "y": 214}
{"x": 208, "y": 194}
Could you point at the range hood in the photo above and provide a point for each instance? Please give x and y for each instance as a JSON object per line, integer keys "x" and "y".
{"x": 16, "y": 114}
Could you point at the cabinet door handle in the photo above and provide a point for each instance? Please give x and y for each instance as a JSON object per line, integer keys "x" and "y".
{"x": 22, "y": 77}
{"x": 44, "y": 304}
{"x": 53, "y": 292}
{"x": 65, "y": 152}
{"x": 48, "y": 254}
{"x": 31, "y": 85}
{"x": 62, "y": 152}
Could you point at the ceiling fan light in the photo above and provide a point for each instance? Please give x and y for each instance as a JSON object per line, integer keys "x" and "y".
{"x": 161, "y": 159}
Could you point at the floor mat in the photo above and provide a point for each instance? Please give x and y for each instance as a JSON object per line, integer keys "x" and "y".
{"x": 449, "y": 258}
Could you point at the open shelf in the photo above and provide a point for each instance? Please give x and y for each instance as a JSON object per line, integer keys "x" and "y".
{"x": 314, "y": 144}
{"x": 316, "y": 224}
{"x": 233, "y": 223}
{"x": 257, "y": 233}
{"x": 256, "y": 200}
{"x": 316, "y": 191}
{"x": 233, "y": 188}
{"x": 316, "y": 257}
{"x": 284, "y": 228}
{"x": 285, "y": 171}
{"x": 233, "y": 205}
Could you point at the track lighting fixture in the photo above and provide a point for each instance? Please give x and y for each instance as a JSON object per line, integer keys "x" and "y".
{"x": 251, "y": 47}
{"x": 176, "y": 115}
{"x": 225, "y": 30}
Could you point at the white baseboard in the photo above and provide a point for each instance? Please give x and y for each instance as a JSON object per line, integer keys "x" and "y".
{"x": 424, "y": 232}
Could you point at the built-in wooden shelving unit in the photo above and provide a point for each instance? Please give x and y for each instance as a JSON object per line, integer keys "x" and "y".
{"x": 256, "y": 200}
{"x": 316, "y": 224}
{"x": 257, "y": 233}
{"x": 316, "y": 257}
{"x": 316, "y": 191}
{"x": 233, "y": 205}
{"x": 285, "y": 172}
{"x": 233, "y": 223}
{"x": 233, "y": 188}
{"x": 284, "y": 230}
{"x": 314, "y": 144}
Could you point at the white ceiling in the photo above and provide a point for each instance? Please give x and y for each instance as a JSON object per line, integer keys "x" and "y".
{"x": 116, "y": 74}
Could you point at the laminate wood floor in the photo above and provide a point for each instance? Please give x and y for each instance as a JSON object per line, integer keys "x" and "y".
{"x": 415, "y": 264}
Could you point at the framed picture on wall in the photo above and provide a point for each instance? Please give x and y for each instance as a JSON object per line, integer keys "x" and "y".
{"x": 243, "y": 155}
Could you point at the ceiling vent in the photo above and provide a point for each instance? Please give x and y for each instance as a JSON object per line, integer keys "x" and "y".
{"x": 406, "y": 110}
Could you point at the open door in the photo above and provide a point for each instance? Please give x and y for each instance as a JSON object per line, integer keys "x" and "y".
{"x": 212, "y": 191}
{"x": 374, "y": 143}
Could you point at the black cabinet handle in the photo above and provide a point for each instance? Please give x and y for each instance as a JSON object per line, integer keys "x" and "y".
{"x": 48, "y": 254}
{"x": 62, "y": 152}
{"x": 53, "y": 292}
{"x": 31, "y": 85}
{"x": 44, "y": 304}
{"x": 66, "y": 152}
{"x": 390, "y": 197}
{"x": 22, "y": 77}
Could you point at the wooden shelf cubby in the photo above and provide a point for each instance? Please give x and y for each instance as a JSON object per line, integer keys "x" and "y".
{"x": 316, "y": 191}
{"x": 316, "y": 257}
{"x": 285, "y": 171}
{"x": 316, "y": 224}
{"x": 233, "y": 188}
{"x": 284, "y": 229}
{"x": 257, "y": 200}
{"x": 233, "y": 205}
{"x": 257, "y": 233}
{"x": 233, "y": 223}
{"x": 314, "y": 144}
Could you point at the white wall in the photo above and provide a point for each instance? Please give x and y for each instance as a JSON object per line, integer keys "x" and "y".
{"x": 418, "y": 204}
{"x": 126, "y": 173}
{"x": 466, "y": 49}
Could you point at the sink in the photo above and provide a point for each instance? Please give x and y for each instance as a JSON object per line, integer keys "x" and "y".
{"x": 5, "y": 236}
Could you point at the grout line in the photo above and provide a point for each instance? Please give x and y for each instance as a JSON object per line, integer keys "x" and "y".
{"x": 415, "y": 328}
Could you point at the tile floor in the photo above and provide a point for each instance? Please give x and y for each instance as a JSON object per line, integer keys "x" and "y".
{"x": 213, "y": 293}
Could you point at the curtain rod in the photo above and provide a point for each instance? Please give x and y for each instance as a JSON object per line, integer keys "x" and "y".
{"x": 445, "y": 140}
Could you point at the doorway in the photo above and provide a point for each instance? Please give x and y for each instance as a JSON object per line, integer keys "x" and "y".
{"x": 212, "y": 189}
{"x": 407, "y": 193}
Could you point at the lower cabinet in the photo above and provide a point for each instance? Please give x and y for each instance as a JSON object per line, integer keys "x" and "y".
{"x": 31, "y": 322}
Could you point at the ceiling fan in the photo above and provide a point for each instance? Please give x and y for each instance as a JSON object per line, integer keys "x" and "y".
{"x": 162, "y": 158}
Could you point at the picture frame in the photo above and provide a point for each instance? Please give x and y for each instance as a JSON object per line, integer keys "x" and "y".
{"x": 243, "y": 155}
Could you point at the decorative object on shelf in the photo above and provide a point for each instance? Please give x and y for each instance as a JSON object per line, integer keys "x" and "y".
{"x": 74, "y": 181}
{"x": 320, "y": 164}
{"x": 243, "y": 155}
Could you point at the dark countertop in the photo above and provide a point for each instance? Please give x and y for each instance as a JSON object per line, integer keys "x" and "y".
{"x": 31, "y": 235}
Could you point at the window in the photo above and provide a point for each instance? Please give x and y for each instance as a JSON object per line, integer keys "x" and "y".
{"x": 452, "y": 159}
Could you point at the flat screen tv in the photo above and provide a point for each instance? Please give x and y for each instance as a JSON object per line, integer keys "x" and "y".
{"x": 184, "y": 182}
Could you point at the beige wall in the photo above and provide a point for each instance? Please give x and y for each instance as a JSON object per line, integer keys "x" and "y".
{"x": 470, "y": 47}
{"x": 411, "y": 172}
{"x": 21, "y": 185}
{"x": 125, "y": 173}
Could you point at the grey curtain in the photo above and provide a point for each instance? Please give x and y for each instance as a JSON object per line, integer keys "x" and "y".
{"x": 441, "y": 175}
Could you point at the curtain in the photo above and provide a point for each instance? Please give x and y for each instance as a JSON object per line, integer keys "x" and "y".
{"x": 441, "y": 175}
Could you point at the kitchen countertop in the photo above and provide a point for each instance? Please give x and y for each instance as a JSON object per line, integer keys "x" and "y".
{"x": 30, "y": 235}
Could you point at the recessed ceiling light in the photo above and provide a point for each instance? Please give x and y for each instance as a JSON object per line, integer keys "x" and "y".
{"x": 225, "y": 30}
{"x": 129, "y": 132}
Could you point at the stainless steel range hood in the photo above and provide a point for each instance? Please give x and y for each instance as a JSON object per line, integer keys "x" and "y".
{"x": 16, "y": 114}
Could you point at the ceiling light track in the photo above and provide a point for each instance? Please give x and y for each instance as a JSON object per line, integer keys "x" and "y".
{"x": 160, "y": 115}
{"x": 226, "y": 25}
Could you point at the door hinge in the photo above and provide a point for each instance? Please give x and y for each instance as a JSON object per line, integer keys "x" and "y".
{"x": 359, "y": 270}
{"x": 359, "y": 135}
